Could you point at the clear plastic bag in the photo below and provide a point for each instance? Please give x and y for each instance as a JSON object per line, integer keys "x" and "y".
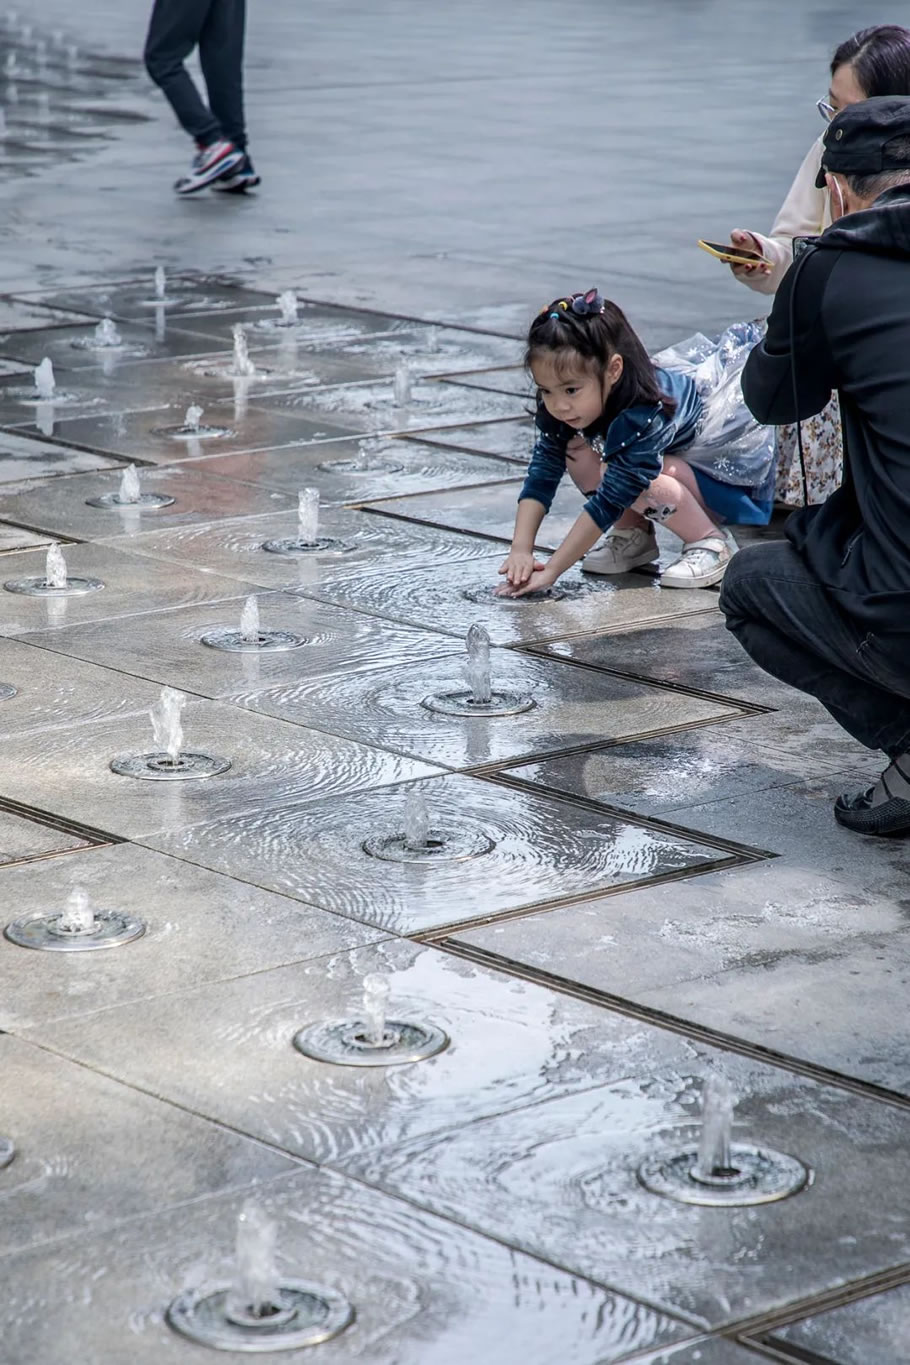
{"x": 729, "y": 444}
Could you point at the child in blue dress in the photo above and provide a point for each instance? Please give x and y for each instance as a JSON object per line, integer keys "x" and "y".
{"x": 620, "y": 426}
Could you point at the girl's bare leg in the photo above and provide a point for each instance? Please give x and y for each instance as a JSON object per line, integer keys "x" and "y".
{"x": 673, "y": 499}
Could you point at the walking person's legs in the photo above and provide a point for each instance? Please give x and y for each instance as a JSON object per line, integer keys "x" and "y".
{"x": 221, "y": 57}
{"x": 794, "y": 629}
{"x": 221, "y": 54}
{"x": 174, "y": 30}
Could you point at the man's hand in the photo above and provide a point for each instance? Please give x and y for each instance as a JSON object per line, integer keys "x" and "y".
{"x": 739, "y": 237}
{"x": 519, "y": 566}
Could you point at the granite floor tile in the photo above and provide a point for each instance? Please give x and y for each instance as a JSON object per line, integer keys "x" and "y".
{"x": 75, "y": 347}
{"x": 424, "y": 1292}
{"x": 837, "y": 1004}
{"x": 168, "y": 646}
{"x": 272, "y": 766}
{"x": 137, "y": 299}
{"x": 225, "y": 1050}
{"x": 373, "y": 406}
{"x": 91, "y": 1154}
{"x": 393, "y": 707}
{"x": 201, "y": 928}
{"x": 23, "y": 457}
{"x": 52, "y": 691}
{"x": 355, "y": 471}
{"x": 666, "y": 775}
{"x": 456, "y": 596}
{"x": 511, "y": 439}
{"x": 796, "y": 823}
{"x": 132, "y": 584}
{"x": 698, "y": 937}
{"x": 61, "y": 506}
{"x": 543, "y": 850}
{"x": 559, "y": 1179}
{"x": 234, "y": 548}
{"x": 147, "y": 436}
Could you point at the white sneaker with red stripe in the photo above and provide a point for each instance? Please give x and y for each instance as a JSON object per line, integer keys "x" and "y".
{"x": 209, "y": 164}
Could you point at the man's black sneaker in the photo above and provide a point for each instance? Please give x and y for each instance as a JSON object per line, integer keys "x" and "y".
{"x": 883, "y": 809}
{"x": 241, "y": 178}
{"x": 218, "y": 159}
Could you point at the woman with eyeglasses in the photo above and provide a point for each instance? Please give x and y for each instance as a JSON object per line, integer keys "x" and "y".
{"x": 875, "y": 61}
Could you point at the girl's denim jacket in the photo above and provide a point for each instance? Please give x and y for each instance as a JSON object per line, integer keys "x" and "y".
{"x": 631, "y": 448}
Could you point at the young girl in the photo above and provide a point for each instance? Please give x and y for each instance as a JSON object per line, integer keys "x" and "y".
{"x": 619, "y": 426}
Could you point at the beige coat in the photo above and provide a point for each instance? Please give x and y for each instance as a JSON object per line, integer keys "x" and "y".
{"x": 804, "y": 213}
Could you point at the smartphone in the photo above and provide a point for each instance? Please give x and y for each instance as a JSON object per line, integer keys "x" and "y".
{"x": 734, "y": 255}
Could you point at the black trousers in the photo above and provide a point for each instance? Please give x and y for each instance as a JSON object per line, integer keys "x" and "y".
{"x": 217, "y": 28}
{"x": 798, "y": 631}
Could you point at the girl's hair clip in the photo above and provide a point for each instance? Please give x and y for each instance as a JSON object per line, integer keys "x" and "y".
{"x": 589, "y": 304}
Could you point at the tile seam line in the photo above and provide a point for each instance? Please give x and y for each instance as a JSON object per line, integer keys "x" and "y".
{"x": 746, "y": 852}
{"x": 840, "y": 1296}
{"x": 748, "y": 707}
{"x": 430, "y": 937}
{"x": 482, "y": 771}
{"x": 727, "y": 1042}
{"x": 64, "y": 1239}
{"x": 23, "y": 1032}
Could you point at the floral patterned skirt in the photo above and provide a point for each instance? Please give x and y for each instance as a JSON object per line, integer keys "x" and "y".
{"x": 823, "y": 454}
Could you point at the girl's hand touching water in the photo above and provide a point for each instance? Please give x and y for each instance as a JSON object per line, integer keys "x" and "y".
{"x": 542, "y": 578}
{"x": 518, "y": 567}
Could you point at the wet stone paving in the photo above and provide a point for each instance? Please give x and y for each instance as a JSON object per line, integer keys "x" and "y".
{"x": 393, "y": 972}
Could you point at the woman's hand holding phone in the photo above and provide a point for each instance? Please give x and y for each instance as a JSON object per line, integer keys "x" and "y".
{"x": 740, "y": 238}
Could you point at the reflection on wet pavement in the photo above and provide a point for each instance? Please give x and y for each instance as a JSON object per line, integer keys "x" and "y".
{"x": 614, "y": 897}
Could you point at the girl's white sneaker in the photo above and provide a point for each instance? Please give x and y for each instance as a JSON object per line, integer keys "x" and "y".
{"x": 701, "y": 563}
{"x": 620, "y": 551}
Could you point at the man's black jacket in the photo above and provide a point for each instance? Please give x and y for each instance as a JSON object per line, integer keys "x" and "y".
{"x": 841, "y": 320}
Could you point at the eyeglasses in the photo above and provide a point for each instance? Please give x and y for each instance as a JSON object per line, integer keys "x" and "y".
{"x": 826, "y": 110}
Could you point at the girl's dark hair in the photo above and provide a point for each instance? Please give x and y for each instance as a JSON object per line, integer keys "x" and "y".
{"x": 593, "y": 339}
{"x": 880, "y": 58}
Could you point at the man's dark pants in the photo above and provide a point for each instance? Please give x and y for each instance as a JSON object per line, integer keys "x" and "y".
{"x": 216, "y": 27}
{"x": 796, "y": 630}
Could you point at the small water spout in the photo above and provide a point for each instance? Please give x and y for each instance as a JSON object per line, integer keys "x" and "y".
{"x": 718, "y": 1102}
{"x": 287, "y": 306}
{"x": 160, "y": 283}
{"x": 478, "y": 667}
{"x": 129, "y": 491}
{"x": 166, "y": 723}
{"x": 77, "y": 916}
{"x": 376, "y": 988}
{"x": 249, "y": 620}
{"x": 3, "y": 127}
{"x": 432, "y": 340}
{"x": 193, "y": 417}
{"x": 308, "y": 515}
{"x": 243, "y": 367}
{"x": 416, "y": 820}
{"x": 106, "y": 333}
{"x": 402, "y": 386}
{"x": 45, "y": 384}
{"x": 44, "y": 107}
{"x": 11, "y": 66}
{"x": 55, "y": 573}
{"x": 255, "y": 1292}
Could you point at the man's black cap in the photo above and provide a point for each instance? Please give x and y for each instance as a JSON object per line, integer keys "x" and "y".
{"x": 858, "y": 138}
